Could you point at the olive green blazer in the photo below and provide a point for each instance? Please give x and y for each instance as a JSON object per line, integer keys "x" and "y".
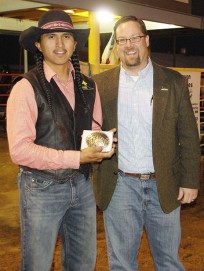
{"x": 175, "y": 139}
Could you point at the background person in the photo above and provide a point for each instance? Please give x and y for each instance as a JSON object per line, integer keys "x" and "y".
{"x": 156, "y": 166}
{"x": 46, "y": 114}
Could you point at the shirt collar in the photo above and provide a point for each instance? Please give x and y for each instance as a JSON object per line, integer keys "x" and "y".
{"x": 49, "y": 73}
{"x": 144, "y": 72}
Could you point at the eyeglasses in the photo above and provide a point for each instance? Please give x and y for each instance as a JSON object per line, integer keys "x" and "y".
{"x": 135, "y": 39}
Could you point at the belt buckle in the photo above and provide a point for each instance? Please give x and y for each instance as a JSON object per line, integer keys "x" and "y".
{"x": 145, "y": 177}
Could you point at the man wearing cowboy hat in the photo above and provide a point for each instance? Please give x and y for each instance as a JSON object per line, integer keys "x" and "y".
{"x": 47, "y": 112}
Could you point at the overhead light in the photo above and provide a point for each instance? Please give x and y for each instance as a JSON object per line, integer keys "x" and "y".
{"x": 70, "y": 11}
{"x": 43, "y": 9}
{"x": 104, "y": 16}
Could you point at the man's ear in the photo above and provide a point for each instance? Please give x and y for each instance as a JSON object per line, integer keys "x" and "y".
{"x": 37, "y": 45}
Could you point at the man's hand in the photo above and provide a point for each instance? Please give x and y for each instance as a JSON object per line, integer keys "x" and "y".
{"x": 187, "y": 195}
{"x": 94, "y": 154}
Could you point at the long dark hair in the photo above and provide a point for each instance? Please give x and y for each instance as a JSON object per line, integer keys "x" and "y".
{"x": 78, "y": 80}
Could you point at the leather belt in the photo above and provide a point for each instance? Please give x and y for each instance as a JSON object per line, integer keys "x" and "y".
{"x": 141, "y": 176}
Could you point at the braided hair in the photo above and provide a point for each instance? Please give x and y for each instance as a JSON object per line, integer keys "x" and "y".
{"x": 39, "y": 62}
{"x": 78, "y": 79}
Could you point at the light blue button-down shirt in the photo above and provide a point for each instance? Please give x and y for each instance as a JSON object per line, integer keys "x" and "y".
{"x": 135, "y": 105}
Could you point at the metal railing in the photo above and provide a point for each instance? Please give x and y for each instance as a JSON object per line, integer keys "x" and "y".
{"x": 6, "y": 82}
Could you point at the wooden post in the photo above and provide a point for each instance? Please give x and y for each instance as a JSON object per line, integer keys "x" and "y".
{"x": 94, "y": 44}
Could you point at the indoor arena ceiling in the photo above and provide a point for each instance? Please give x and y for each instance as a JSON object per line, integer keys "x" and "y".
{"x": 168, "y": 11}
{"x": 33, "y": 11}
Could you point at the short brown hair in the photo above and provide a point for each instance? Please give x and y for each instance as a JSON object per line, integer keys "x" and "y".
{"x": 133, "y": 19}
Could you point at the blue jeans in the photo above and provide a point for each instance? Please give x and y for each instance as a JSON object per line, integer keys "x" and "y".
{"x": 48, "y": 208}
{"x": 134, "y": 206}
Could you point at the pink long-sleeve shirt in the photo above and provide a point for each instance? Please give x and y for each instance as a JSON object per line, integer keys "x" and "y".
{"x": 22, "y": 114}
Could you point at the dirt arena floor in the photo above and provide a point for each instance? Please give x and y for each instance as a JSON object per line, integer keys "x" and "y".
{"x": 192, "y": 219}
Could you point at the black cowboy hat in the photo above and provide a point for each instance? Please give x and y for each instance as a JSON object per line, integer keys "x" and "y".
{"x": 52, "y": 21}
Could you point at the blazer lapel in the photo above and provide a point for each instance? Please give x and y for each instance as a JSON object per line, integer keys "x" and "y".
{"x": 160, "y": 95}
{"x": 111, "y": 87}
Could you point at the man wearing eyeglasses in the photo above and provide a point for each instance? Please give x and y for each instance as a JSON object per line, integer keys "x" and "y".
{"x": 156, "y": 166}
